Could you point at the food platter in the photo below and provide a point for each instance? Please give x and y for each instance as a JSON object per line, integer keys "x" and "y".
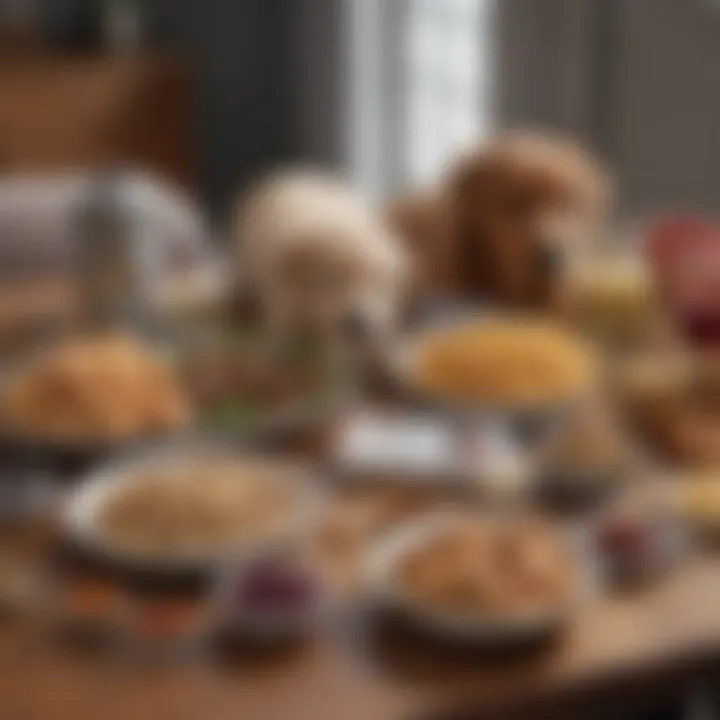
{"x": 83, "y": 511}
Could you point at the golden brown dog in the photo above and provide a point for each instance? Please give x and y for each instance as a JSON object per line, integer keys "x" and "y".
{"x": 507, "y": 220}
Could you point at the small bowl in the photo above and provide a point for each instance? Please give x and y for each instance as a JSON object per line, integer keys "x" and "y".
{"x": 490, "y": 629}
{"x": 643, "y": 548}
{"x": 274, "y": 598}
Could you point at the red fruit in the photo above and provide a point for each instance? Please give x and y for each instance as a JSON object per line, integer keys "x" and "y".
{"x": 667, "y": 236}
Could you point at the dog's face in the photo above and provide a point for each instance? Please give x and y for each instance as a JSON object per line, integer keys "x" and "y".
{"x": 350, "y": 292}
{"x": 522, "y": 208}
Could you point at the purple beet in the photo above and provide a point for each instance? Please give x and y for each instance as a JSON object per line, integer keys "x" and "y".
{"x": 277, "y": 587}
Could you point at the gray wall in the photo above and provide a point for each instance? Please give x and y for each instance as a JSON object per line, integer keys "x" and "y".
{"x": 668, "y": 136}
{"x": 267, "y": 85}
{"x": 636, "y": 79}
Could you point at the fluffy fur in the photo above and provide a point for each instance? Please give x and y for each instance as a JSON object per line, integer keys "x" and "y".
{"x": 317, "y": 258}
{"x": 506, "y": 221}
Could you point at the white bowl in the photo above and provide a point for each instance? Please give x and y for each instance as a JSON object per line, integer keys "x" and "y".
{"x": 82, "y": 512}
{"x": 500, "y": 628}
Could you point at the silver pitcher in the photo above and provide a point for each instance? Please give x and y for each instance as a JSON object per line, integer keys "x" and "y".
{"x": 115, "y": 259}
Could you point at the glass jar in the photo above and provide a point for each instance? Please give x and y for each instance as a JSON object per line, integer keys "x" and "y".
{"x": 611, "y": 298}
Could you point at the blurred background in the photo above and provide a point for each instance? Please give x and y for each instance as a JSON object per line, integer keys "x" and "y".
{"x": 207, "y": 96}
{"x": 212, "y": 93}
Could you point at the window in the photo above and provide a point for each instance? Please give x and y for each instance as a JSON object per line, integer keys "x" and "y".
{"x": 420, "y": 73}
{"x": 447, "y": 68}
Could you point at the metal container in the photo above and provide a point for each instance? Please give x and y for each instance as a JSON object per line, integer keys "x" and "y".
{"x": 113, "y": 260}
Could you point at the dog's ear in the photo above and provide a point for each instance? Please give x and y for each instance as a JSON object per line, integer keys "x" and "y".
{"x": 471, "y": 193}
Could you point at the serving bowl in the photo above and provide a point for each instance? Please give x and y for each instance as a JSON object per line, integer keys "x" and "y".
{"x": 528, "y": 420}
{"x": 81, "y": 518}
{"x": 65, "y": 456}
{"x": 493, "y": 629}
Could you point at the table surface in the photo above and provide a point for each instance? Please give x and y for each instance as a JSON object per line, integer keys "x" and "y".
{"x": 364, "y": 670}
{"x": 360, "y": 664}
{"x": 360, "y": 668}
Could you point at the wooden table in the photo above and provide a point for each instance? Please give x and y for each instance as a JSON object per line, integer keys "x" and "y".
{"x": 358, "y": 667}
{"x": 362, "y": 665}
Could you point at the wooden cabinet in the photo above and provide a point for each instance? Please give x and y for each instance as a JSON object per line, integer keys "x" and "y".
{"x": 57, "y": 113}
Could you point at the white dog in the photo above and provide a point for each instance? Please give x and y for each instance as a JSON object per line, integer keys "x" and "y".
{"x": 319, "y": 260}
